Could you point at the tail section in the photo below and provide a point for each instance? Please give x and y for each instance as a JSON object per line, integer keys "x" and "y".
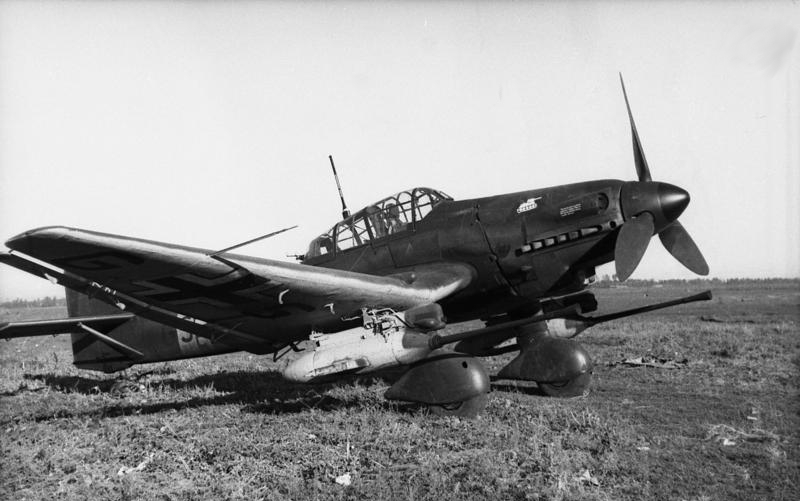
{"x": 80, "y": 305}
{"x": 105, "y": 338}
{"x": 135, "y": 341}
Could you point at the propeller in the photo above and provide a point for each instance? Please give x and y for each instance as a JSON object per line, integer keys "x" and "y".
{"x": 677, "y": 241}
{"x": 642, "y": 169}
{"x": 651, "y": 207}
{"x": 632, "y": 242}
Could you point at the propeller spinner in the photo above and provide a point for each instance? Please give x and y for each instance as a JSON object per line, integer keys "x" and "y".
{"x": 651, "y": 207}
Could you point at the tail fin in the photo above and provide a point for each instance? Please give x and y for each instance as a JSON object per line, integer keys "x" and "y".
{"x": 156, "y": 342}
{"x": 80, "y": 305}
{"x": 88, "y": 351}
{"x": 103, "y": 338}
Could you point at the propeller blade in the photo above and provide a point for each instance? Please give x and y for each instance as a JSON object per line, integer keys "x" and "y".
{"x": 678, "y": 243}
{"x": 642, "y": 169}
{"x": 632, "y": 241}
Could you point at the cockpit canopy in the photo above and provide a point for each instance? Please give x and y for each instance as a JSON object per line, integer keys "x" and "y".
{"x": 391, "y": 215}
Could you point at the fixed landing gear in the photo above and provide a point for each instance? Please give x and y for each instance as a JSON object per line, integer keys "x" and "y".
{"x": 575, "y": 387}
{"x": 450, "y": 384}
{"x": 469, "y": 408}
{"x": 560, "y": 367}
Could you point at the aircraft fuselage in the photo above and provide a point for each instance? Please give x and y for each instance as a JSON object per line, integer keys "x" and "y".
{"x": 523, "y": 246}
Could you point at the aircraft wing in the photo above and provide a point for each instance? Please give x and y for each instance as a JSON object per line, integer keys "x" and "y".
{"x": 250, "y": 299}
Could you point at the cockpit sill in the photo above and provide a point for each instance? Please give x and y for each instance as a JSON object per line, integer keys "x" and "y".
{"x": 393, "y": 215}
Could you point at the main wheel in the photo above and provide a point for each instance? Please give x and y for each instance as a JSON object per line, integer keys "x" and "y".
{"x": 576, "y": 387}
{"x": 467, "y": 408}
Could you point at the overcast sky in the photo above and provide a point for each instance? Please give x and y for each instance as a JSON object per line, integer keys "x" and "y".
{"x": 209, "y": 123}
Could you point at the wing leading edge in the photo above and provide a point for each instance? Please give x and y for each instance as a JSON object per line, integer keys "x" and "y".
{"x": 250, "y": 299}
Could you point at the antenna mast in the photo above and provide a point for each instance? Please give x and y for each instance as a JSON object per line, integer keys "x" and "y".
{"x": 345, "y": 211}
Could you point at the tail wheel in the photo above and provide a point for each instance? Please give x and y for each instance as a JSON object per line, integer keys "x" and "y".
{"x": 576, "y": 387}
{"x": 469, "y": 408}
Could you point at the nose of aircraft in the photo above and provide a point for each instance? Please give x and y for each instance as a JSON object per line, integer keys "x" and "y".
{"x": 673, "y": 200}
{"x": 664, "y": 201}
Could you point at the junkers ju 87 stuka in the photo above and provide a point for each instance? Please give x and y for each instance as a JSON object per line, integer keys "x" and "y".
{"x": 376, "y": 290}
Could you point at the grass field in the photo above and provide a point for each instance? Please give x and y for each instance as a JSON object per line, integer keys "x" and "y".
{"x": 723, "y": 427}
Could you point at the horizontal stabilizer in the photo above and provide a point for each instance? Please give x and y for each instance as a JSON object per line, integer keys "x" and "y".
{"x": 106, "y": 323}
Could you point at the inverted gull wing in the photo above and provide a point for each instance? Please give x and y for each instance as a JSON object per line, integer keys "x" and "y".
{"x": 256, "y": 299}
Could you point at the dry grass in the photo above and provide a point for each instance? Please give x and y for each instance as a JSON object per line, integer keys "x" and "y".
{"x": 229, "y": 427}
